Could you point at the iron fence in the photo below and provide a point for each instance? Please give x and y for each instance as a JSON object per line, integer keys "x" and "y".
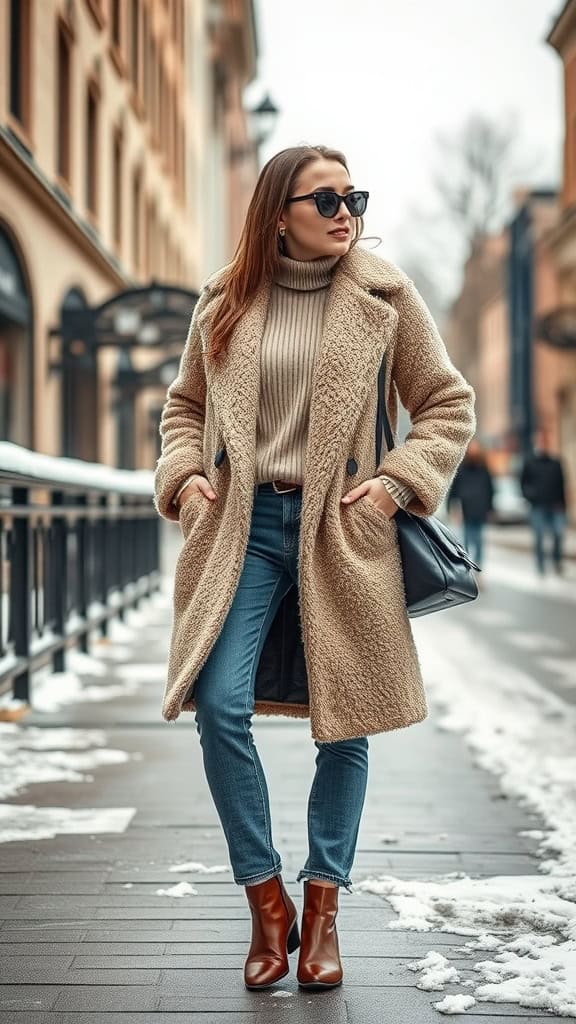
{"x": 79, "y": 544}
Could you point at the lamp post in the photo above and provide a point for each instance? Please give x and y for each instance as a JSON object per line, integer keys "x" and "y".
{"x": 154, "y": 317}
{"x": 261, "y": 122}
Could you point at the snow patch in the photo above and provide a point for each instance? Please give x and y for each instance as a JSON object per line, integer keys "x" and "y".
{"x": 178, "y": 891}
{"x": 436, "y": 972}
{"x": 26, "y": 822}
{"x": 455, "y": 1004}
{"x": 30, "y": 756}
{"x": 55, "y": 690}
{"x": 192, "y": 865}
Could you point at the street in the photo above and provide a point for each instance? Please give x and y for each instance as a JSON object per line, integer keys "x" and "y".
{"x": 116, "y": 893}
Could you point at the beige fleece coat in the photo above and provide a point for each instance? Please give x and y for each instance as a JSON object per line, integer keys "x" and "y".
{"x": 361, "y": 663}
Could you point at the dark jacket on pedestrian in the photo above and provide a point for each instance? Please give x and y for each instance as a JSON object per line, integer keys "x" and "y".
{"x": 473, "y": 488}
{"x": 542, "y": 481}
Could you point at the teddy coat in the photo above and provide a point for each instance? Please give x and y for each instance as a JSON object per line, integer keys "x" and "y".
{"x": 340, "y": 649}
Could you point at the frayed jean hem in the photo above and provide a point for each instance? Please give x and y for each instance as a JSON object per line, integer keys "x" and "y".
{"x": 324, "y": 876}
{"x": 264, "y": 876}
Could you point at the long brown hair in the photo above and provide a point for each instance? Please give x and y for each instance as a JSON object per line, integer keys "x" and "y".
{"x": 257, "y": 257}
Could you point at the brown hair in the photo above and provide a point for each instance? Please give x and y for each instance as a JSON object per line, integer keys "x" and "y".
{"x": 258, "y": 254}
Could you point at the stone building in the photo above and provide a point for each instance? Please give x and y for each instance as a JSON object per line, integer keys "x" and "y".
{"x": 120, "y": 127}
{"x": 558, "y": 328}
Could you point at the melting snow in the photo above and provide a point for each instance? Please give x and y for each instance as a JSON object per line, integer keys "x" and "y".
{"x": 20, "y": 821}
{"x": 524, "y": 734}
{"x": 455, "y": 1004}
{"x": 192, "y": 865}
{"x": 179, "y": 890}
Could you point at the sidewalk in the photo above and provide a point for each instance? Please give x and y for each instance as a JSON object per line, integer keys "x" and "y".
{"x": 86, "y": 939}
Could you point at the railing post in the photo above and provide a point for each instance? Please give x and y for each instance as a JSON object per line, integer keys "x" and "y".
{"x": 103, "y": 542}
{"x": 82, "y": 571}
{"x": 20, "y": 592}
{"x": 59, "y": 569}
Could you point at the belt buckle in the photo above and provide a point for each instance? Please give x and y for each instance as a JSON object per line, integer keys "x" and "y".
{"x": 286, "y": 490}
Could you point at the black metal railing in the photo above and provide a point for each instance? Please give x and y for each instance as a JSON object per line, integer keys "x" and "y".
{"x": 79, "y": 543}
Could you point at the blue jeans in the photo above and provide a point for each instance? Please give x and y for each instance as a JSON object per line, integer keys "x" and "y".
{"x": 224, "y": 696}
{"x": 474, "y": 539}
{"x": 547, "y": 520}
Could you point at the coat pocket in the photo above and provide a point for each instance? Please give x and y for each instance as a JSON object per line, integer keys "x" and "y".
{"x": 380, "y": 526}
{"x": 190, "y": 511}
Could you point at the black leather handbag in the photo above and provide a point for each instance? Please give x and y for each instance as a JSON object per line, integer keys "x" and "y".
{"x": 437, "y": 568}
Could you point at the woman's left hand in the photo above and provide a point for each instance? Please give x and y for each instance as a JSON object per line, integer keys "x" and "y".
{"x": 376, "y": 492}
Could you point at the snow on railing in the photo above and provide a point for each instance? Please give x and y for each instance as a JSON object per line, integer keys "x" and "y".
{"x": 73, "y": 473}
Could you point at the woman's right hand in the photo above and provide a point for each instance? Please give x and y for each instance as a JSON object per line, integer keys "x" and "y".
{"x": 199, "y": 484}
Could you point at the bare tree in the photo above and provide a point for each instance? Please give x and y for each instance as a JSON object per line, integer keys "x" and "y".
{"x": 476, "y": 176}
{"x": 477, "y": 170}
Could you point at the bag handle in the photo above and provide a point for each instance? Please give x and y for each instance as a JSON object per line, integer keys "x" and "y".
{"x": 382, "y": 420}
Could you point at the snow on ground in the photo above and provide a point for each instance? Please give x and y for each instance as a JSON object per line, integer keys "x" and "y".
{"x": 31, "y": 755}
{"x": 524, "y": 734}
{"x": 18, "y": 821}
{"x": 178, "y": 891}
{"x": 200, "y": 869}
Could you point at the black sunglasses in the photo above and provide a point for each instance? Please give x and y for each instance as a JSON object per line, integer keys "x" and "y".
{"x": 328, "y": 203}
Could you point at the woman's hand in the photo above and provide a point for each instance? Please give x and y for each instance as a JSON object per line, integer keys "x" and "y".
{"x": 197, "y": 484}
{"x": 376, "y": 493}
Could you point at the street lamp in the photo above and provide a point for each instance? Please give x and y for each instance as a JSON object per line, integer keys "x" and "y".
{"x": 261, "y": 121}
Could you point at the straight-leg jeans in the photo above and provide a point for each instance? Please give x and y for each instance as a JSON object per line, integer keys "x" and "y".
{"x": 224, "y": 696}
{"x": 547, "y": 520}
{"x": 474, "y": 539}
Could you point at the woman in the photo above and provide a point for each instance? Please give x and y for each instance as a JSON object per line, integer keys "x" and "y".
{"x": 288, "y": 595}
{"x": 474, "y": 489}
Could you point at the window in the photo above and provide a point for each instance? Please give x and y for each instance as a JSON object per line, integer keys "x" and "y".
{"x": 117, "y": 159}
{"x": 20, "y": 61}
{"x": 137, "y": 220}
{"x": 64, "y": 96}
{"x": 116, "y": 23}
{"x": 147, "y": 61}
{"x": 92, "y": 149}
{"x": 135, "y": 44}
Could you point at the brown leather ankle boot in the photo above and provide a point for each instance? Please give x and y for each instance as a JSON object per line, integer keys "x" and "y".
{"x": 319, "y": 963}
{"x": 274, "y": 933}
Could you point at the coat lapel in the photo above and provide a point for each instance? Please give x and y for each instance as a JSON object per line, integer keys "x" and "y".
{"x": 357, "y": 329}
{"x": 235, "y": 384}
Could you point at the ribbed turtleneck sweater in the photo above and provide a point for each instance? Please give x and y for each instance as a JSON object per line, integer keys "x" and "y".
{"x": 288, "y": 352}
{"x": 287, "y": 356}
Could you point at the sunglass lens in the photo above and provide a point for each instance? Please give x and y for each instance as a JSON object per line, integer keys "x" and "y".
{"x": 327, "y": 203}
{"x": 356, "y": 203}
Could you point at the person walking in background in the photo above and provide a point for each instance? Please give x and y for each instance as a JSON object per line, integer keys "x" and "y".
{"x": 288, "y": 595}
{"x": 543, "y": 486}
{"x": 473, "y": 489}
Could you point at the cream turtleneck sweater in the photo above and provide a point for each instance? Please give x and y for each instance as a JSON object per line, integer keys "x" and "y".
{"x": 289, "y": 348}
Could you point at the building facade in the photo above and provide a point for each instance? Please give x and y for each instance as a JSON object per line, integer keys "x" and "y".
{"x": 558, "y": 334}
{"x": 117, "y": 121}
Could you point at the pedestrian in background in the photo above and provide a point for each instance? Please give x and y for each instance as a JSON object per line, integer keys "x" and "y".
{"x": 288, "y": 596}
{"x": 543, "y": 486}
{"x": 473, "y": 489}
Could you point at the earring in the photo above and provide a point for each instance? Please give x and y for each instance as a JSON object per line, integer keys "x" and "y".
{"x": 282, "y": 232}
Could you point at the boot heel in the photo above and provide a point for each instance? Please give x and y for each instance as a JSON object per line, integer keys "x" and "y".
{"x": 293, "y": 940}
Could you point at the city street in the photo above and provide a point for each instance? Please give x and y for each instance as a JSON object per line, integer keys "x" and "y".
{"x": 117, "y": 901}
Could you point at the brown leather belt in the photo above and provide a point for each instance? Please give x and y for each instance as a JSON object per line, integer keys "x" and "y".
{"x": 279, "y": 487}
{"x": 283, "y": 486}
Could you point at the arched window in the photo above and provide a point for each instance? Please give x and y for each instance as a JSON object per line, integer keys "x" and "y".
{"x": 15, "y": 346}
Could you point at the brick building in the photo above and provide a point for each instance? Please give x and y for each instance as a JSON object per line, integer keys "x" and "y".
{"x": 117, "y": 124}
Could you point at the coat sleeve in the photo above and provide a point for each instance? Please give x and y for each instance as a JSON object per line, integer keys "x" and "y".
{"x": 440, "y": 403}
{"x": 182, "y": 423}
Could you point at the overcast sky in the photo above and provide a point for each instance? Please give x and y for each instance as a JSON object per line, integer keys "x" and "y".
{"x": 379, "y": 80}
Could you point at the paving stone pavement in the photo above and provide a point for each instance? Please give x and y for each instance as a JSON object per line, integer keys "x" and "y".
{"x": 85, "y": 939}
